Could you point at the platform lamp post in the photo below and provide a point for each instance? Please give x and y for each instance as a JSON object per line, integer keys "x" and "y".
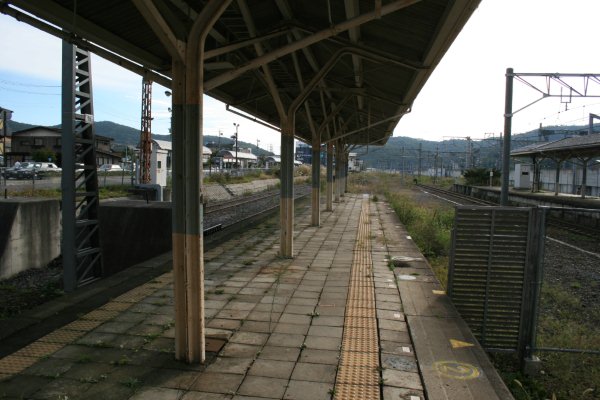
{"x": 235, "y": 137}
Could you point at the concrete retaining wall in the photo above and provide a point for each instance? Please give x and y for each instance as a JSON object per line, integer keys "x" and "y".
{"x": 29, "y": 234}
{"x": 133, "y": 231}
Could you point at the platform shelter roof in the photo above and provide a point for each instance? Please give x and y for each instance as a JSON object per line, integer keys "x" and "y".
{"x": 587, "y": 146}
{"x": 374, "y": 56}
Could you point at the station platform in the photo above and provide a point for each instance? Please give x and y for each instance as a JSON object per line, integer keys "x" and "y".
{"x": 356, "y": 314}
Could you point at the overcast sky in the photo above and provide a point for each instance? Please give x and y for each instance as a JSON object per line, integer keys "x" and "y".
{"x": 463, "y": 97}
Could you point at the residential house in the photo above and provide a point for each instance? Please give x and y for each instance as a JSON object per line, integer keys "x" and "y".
{"x": 25, "y": 143}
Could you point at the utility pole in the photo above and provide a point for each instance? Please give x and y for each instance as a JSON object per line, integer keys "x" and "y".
{"x": 235, "y": 137}
{"x": 402, "y": 163}
{"x": 420, "y": 153}
{"x": 435, "y": 165}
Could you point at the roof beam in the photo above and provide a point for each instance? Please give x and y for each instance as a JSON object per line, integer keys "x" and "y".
{"x": 161, "y": 28}
{"x": 268, "y": 76}
{"x": 352, "y": 11}
{"x": 409, "y": 64}
{"x": 68, "y": 20}
{"x": 245, "y": 43}
{"x": 307, "y": 41}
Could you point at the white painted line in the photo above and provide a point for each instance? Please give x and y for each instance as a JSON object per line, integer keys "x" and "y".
{"x": 397, "y": 315}
{"x": 406, "y": 349}
{"x": 573, "y": 247}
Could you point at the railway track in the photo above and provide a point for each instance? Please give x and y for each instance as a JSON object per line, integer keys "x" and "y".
{"x": 240, "y": 209}
{"x": 452, "y": 197}
{"x": 559, "y": 224}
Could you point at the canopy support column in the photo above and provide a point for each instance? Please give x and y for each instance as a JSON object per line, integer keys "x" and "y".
{"x": 557, "y": 177}
{"x": 188, "y": 258}
{"x": 316, "y": 181}
{"x": 329, "y": 202}
{"x": 338, "y": 166}
{"x": 287, "y": 188}
{"x": 584, "y": 177}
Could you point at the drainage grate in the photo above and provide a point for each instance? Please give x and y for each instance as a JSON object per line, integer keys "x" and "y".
{"x": 358, "y": 375}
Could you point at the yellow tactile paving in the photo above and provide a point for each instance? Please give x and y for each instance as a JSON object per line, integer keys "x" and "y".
{"x": 361, "y": 359}
{"x": 38, "y": 349}
{"x": 344, "y": 391}
{"x": 62, "y": 336}
{"x": 82, "y": 325}
{"x": 116, "y": 306}
{"x": 15, "y": 364}
{"x": 100, "y": 315}
{"x": 358, "y": 371}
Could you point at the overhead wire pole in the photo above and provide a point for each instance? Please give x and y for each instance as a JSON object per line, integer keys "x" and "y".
{"x": 507, "y": 132}
{"x": 146, "y": 131}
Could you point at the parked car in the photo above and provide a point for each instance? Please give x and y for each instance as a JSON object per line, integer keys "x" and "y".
{"x": 26, "y": 170}
{"x": 110, "y": 167}
{"x": 49, "y": 167}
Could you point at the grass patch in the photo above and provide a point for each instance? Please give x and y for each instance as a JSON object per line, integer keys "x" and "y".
{"x": 429, "y": 228}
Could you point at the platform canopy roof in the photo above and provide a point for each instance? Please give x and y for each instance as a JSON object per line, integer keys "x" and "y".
{"x": 380, "y": 53}
{"x": 587, "y": 146}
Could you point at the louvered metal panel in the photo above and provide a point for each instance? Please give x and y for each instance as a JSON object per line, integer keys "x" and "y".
{"x": 494, "y": 261}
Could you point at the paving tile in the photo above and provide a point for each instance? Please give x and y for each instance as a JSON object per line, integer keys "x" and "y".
{"x": 328, "y": 320}
{"x": 303, "y": 390}
{"x": 286, "y": 340}
{"x": 257, "y": 326}
{"x": 394, "y": 336}
{"x": 240, "y": 350}
{"x": 320, "y": 356}
{"x": 327, "y": 331}
{"x": 288, "y": 318}
{"x": 152, "y": 393}
{"x": 398, "y": 362}
{"x": 217, "y": 383}
{"x": 254, "y": 338}
{"x": 314, "y": 372}
{"x": 51, "y": 367}
{"x": 272, "y": 368}
{"x": 205, "y": 396}
{"x": 172, "y": 378}
{"x": 322, "y": 343}
{"x": 218, "y": 323}
{"x": 300, "y": 329}
{"x": 394, "y": 393}
{"x": 98, "y": 391}
{"x": 402, "y": 379}
{"x": 62, "y": 389}
{"x": 21, "y": 386}
{"x": 279, "y": 353}
{"x": 393, "y": 325}
{"x": 232, "y": 314}
{"x": 231, "y": 365}
{"x": 263, "y": 387}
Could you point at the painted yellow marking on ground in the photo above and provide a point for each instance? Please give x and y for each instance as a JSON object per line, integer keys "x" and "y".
{"x": 457, "y": 344}
{"x": 439, "y": 291}
{"x": 456, "y": 370}
{"x": 358, "y": 375}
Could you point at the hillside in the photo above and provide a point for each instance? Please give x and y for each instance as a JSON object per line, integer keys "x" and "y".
{"x": 128, "y": 136}
{"x": 399, "y": 152}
